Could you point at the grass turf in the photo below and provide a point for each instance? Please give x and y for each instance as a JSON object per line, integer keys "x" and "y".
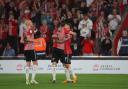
{"x": 85, "y": 81}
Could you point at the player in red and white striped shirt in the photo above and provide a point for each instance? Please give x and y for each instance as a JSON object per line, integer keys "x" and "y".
{"x": 28, "y": 39}
{"x": 69, "y": 34}
{"x": 58, "y": 50}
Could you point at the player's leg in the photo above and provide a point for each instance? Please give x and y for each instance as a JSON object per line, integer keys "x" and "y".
{"x": 67, "y": 72}
{"x": 28, "y": 65}
{"x": 70, "y": 69}
{"x": 27, "y": 68}
{"x": 54, "y": 65}
{"x": 34, "y": 72}
{"x": 34, "y": 68}
{"x": 54, "y": 61}
{"x": 73, "y": 74}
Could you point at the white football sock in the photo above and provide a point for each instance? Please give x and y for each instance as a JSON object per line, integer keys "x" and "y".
{"x": 67, "y": 74}
{"x": 71, "y": 72}
{"x": 54, "y": 72}
{"x": 34, "y": 71}
{"x": 27, "y": 73}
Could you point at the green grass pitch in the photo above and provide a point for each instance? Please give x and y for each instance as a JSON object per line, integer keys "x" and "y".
{"x": 85, "y": 81}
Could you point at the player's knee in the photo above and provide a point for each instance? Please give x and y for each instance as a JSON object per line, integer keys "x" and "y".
{"x": 27, "y": 69}
{"x": 34, "y": 67}
{"x": 54, "y": 64}
{"x": 67, "y": 66}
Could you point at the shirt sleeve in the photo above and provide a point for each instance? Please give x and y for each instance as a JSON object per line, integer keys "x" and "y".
{"x": 80, "y": 25}
{"x": 89, "y": 26}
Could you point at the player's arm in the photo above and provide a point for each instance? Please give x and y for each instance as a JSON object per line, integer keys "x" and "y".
{"x": 22, "y": 38}
{"x": 28, "y": 38}
{"x": 64, "y": 39}
{"x": 73, "y": 34}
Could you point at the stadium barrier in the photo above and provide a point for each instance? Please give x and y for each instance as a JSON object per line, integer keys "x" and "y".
{"x": 80, "y": 65}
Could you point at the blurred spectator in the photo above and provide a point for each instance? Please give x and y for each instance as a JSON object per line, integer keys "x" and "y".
{"x": 45, "y": 33}
{"x": 9, "y": 51}
{"x": 13, "y": 32}
{"x": 88, "y": 47}
{"x": 106, "y": 46}
{"x": 106, "y": 30}
{"x": 83, "y": 7}
{"x": 85, "y": 26}
{"x": 125, "y": 2}
{"x": 35, "y": 12}
{"x": 98, "y": 28}
{"x": 1, "y": 49}
{"x": 122, "y": 7}
{"x": 104, "y": 5}
{"x": 122, "y": 49}
{"x": 114, "y": 21}
{"x": 2, "y": 9}
{"x": 3, "y": 32}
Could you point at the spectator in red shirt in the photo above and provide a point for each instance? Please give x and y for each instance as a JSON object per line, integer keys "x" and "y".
{"x": 88, "y": 47}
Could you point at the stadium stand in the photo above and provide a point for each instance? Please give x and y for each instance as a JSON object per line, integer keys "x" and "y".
{"x": 12, "y": 12}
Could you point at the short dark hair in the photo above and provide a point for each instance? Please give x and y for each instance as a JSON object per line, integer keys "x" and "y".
{"x": 37, "y": 34}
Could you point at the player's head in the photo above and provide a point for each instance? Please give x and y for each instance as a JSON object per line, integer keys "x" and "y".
{"x": 28, "y": 22}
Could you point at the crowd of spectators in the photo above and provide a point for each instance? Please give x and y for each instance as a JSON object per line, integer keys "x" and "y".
{"x": 46, "y": 14}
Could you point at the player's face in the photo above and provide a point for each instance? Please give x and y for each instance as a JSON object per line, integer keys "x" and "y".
{"x": 67, "y": 27}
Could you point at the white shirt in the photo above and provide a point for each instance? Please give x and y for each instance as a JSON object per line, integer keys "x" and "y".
{"x": 85, "y": 27}
{"x": 114, "y": 21}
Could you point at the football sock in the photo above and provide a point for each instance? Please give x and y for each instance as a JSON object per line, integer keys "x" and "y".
{"x": 27, "y": 73}
{"x": 71, "y": 72}
{"x": 54, "y": 73}
{"x": 67, "y": 74}
{"x": 34, "y": 71}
